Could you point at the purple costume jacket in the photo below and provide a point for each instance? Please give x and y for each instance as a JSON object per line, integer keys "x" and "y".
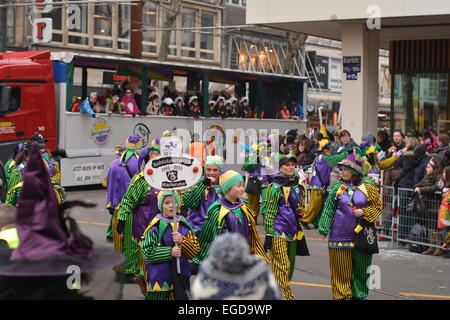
{"x": 145, "y": 213}
{"x": 119, "y": 177}
{"x": 321, "y": 173}
{"x": 342, "y": 234}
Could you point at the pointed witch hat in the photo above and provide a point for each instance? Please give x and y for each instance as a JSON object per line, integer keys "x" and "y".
{"x": 50, "y": 241}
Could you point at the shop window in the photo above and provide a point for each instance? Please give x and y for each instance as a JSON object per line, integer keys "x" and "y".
{"x": 103, "y": 26}
{"x": 123, "y": 25}
{"x": 149, "y": 26}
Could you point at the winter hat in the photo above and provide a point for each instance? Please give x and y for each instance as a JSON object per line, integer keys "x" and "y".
{"x": 354, "y": 163}
{"x": 178, "y": 99}
{"x": 133, "y": 143}
{"x": 211, "y": 102}
{"x": 228, "y": 179}
{"x": 168, "y": 101}
{"x": 370, "y": 149}
{"x": 232, "y": 272}
{"x": 420, "y": 150}
{"x": 164, "y": 194}
{"x": 368, "y": 137}
{"x": 285, "y": 160}
{"x": 50, "y": 241}
{"x": 220, "y": 98}
{"x": 218, "y": 161}
{"x": 191, "y": 99}
{"x": 243, "y": 99}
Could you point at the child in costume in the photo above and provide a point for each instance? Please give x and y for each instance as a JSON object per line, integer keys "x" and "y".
{"x": 229, "y": 214}
{"x": 285, "y": 204}
{"x": 353, "y": 197}
{"x": 320, "y": 179}
{"x": 204, "y": 193}
{"x": 161, "y": 244}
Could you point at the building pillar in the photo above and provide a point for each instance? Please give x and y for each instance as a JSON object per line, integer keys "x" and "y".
{"x": 360, "y": 96}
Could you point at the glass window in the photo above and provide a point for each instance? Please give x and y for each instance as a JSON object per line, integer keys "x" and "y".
{"x": 56, "y": 17}
{"x": 188, "y": 21}
{"x": 80, "y": 25}
{"x": 124, "y": 21}
{"x": 10, "y": 26}
{"x": 206, "y": 38}
{"x": 12, "y": 104}
{"x": 149, "y": 22}
{"x": 103, "y": 25}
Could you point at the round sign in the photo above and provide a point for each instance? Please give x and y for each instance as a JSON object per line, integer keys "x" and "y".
{"x": 173, "y": 172}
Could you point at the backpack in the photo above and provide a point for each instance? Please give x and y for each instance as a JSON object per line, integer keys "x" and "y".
{"x": 418, "y": 233}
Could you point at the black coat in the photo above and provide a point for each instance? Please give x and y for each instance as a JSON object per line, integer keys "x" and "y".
{"x": 413, "y": 169}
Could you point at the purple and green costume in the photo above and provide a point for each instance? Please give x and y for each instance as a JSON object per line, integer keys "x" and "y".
{"x": 156, "y": 248}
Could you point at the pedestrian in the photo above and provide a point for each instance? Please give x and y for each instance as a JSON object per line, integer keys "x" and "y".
{"x": 229, "y": 214}
{"x": 138, "y": 207}
{"x": 351, "y": 199}
{"x": 284, "y": 206}
{"x": 51, "y": 244}
{"x": 87, "y": 106}
{"x": 166, "y": 239}
{"x": 8, "y": 232}
{"x": 204, "y": 193}
{"x": 120, "y": 174}
{"x": 320, "y": 180}
{"x": 443, "y": 145}
{"x": 428, "y": 138}
{"x": 345, "y": 142}
{"x": 231, "y": 272}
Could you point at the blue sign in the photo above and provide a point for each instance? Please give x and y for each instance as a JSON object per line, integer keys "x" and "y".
{"x": 352, "y": 65}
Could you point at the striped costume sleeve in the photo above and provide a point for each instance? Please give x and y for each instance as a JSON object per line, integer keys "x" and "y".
{"x": 190, "y": 246}
{"x": 151, "y": 250}
{"x": 447, "y": 238}
{"x": 256, "y": 246}
{"x": 56, "y": 177}
{"x": 387, "y": 163}
{"x": 192, "y": 196}
{"x": 329, "y": 208}
{"x": 135, "y": 195}
{"x": 334, "y": 159}
{"x": 302, "y": 206}
{"x": 375, "y": 207}
{"x": 272, "y": 201}
{"x": 208, "y": 232}
{"x": 14, "y": 191}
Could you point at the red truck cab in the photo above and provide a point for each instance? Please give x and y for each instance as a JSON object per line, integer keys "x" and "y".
{"x": 27, "y": 99}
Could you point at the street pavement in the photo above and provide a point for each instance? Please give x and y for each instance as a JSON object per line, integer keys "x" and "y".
{"x": 403, "y": 275}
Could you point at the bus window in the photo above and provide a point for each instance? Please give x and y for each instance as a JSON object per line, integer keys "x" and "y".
{"x": 9, "y": 99}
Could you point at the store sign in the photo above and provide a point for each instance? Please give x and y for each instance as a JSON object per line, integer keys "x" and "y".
{"x": 173, "y": 172}
{"x": 42, "y": 30}
{"x": 352, "y": 66}
{"x": 74, "y": 17}
{"x": 317, "y": 68}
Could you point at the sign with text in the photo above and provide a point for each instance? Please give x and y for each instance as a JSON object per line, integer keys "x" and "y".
{"x": 351, "y": 67}
{"x": 173, "y": 172}
{"x": 42, "y": 30}
{"x": 171, "y": 146}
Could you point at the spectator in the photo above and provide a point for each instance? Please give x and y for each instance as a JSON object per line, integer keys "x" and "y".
{"x": 220, "y": 107}
{"x": 130, "y": 104}
{"x": 383, "y": 140}
{"x": 153, "y": 104}
{"x": 443, "y": 145}
{"x": 398, "y": 142}
{"x": 88, "y": 105}
{"x": 444, "y": 214}
{"x": 212, "y": 109}
{"x": 113, "y": 105}
{"x": 297, "y": 109}
{"x": 124, "y": 87}
{"x": 76, "y": 102}
{"x": 284, "y": 112}
{"x": 166, "y": 107}
{"x": 303, "y": 158}
{"x": 194, "y": 108}
{"x": 346, "y": 143}
{"x": 178, "y": 108}
{"x": 232, "y": 272}
{"x": 233, "y": 107}
{"x": 428, "y": 138}
{"x": 368, "y": 137}
{"x": 228, "y": 113}
{"x": 8, "y": 231}
{"x": 427, "y": 187}
{"x": 115, "y": 90}
{"x": 242, "y": 110}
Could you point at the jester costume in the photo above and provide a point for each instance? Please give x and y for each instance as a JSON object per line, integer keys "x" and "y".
{"x": 255, "y": 163}
{"x": 322, "y": 166}
{"x": 348, "y": 266}
{"x": 157, "y": 244}
{"x": 120, "y": 175}
{"x": 201, "y": 196}
{"x": 225, "y": 216}
{"x": 285, "y": 203}
{"x": 374, "y": 166}
{"x": 16, "y": 179}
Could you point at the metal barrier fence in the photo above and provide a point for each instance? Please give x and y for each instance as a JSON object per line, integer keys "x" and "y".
{"x": 387, "y": 222}
{"x": 419, "y": 228}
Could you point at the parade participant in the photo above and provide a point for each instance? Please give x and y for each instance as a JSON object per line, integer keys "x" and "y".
{"x": 373, "y": 165}
{"x": 11, "y": 164}
{"x": 212, "y": 109}
{"x": 139, "y": 205}
{"x": 229, "y": 214}
{"x": 130, "y": 104}
{"x": 166, "y": 239}
{"x": 16, "y": 180}
{"x": 153, "y": 104}
{"x": 242, "y": 108}
{"x": 256, "y": 163}
{"x": 194, "y": 108}
{"x": 353, "y": 198}
{"x": 320, "y": 179}
{"x": 220, "y": 107}
{"x": 204, "y": 193}
{"x": 179, "y": 109}
{"x": 119, "y": 176}
{"x": 50, "y": 243}
{"x": 88, "y": 105}
{"x": 284, "y": 206}
{"x": 8, "y": 231}
{"x": 231, "y": 273}
{"x": 166, "y": 107}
